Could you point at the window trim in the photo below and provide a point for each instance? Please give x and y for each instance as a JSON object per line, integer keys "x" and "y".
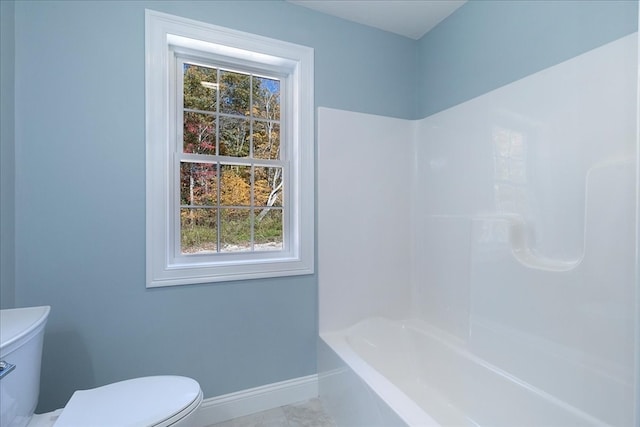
{"x": 165, "y": 32}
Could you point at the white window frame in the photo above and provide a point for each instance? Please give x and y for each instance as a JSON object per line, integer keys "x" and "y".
{"x": 165, "y": 34}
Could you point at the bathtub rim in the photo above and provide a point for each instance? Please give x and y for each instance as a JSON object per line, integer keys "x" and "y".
{"x": 408, "y": 410}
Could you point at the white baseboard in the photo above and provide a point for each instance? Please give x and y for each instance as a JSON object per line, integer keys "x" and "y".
{"x": 246, "y": 402}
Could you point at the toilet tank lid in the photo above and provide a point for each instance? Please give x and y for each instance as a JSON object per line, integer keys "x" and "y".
{"x": 18, "y": 323}
{"x": 146, "y": 401}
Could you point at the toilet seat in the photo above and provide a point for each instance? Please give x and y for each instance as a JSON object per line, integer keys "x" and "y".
{"x": 149, "y": 401}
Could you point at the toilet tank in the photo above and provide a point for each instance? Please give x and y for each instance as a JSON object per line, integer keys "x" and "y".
{"x": 21, "y": 336}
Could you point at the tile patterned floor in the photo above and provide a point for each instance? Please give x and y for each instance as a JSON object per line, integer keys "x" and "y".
{"x": 304, "y": 414}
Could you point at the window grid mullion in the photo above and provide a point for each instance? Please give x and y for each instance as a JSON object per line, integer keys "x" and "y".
{"x": 218, "y": 165}
{"x": 230, "y": 115}
{"x": 228, "y": 160}
{"x": 252, "y": 175}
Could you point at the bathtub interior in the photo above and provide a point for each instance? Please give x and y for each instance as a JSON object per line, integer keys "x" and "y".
{"x": 447, "y": 380}
{"x": 514, "y": 252}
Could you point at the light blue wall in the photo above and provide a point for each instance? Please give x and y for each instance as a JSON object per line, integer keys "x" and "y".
{"x": 487, "y": 44}
{"x": 80, "y": 198}
{"x": 7, "y": 150}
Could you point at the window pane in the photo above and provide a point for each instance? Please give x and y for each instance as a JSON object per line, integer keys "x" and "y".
{"x": 268, "y": 186}
{"x": 234, "y": 137}
{"x": 198, "y": 184}
{"x": 236, "y": 185}
{"x": 268, "y": 230}
{"x": 198, "y": 230}
{"x": 266, "y": 98}
{"x": 200, "y": 87}
{"x": 199, "y": 133}
{"x": 235, "y": 230}
{"x": 266, "y": 140}
{"x": 234, "y": 93}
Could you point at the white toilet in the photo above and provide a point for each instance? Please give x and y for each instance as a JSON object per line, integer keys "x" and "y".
{"x": 158, "y": 401}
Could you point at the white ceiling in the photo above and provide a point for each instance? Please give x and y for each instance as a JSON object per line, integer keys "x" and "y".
{"x": 409, "y": 18}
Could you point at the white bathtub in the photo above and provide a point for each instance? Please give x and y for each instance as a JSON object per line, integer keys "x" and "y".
{"x": 408, "y": 373}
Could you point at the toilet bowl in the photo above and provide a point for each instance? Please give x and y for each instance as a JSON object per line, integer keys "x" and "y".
{"x": 157, "y": 401}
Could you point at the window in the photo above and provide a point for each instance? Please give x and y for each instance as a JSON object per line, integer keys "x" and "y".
{"x": 229, "y": 136}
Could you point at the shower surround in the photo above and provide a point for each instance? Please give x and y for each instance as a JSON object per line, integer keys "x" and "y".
{"x": 479, "y": 266}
